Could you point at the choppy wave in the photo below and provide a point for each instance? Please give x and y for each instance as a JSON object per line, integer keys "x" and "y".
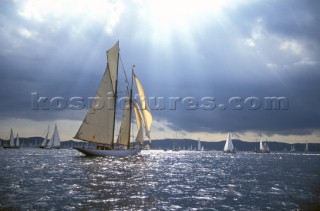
{"x": 66, "y": 180}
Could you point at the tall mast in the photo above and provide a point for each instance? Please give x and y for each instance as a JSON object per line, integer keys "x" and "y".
{"x": 130, "y": 99}
{"x": 115, "y": 101}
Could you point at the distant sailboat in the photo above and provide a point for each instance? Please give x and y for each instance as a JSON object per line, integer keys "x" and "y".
{"x": 45, "y": 140}
{"x": 11, "y": 144}
{"x": 292, "y": 149}
{"x": 199, "y": 145}
{"x": 306, "y": 148}
{"x": 17, "y": 143}
{"x": 263, "y": 148}
{"x": 228, "y": 147}
{"x": 99, "y": 124}
{"x": 54, "y": 142}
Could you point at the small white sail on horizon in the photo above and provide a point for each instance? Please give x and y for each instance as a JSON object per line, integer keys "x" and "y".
{"x": 56, "y": 138}
{"x": 199, "y": 145}
{"x": 228, "y": 147}
{"x": 11, "y": 142}
{"x": 292, "y": 149}
{"x": 306, "y": 148}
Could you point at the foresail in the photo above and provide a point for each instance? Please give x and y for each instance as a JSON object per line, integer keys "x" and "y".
{"x": 124, "y": 133}
{"x": 98, "y": 125}
{"x": 147, "y": 117}
{"x": 139, "y": 120}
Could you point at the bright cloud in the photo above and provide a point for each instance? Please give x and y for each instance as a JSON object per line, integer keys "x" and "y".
{"x": 291, "y": 46}
{"x": 81, "y": 12}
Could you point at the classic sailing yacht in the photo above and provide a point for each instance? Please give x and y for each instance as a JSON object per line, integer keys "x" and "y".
{"x": 54, "y": 142}
{"x": 11, "y": 144}
{"x": 263, "y": 148}
{"x": 99, "y": 124}
{"x": 228, "y": 147}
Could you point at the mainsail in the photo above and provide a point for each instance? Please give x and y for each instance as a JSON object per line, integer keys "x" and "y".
{"x": 147, "y": 117}
{"x": 11, "y": 142}
{"x": 98, "y": 125}
{"x": 199, "y": 145}
{"x": 55, "y": 138}
{"x": 261, "y": 145}
{"x": 228, "y": 145}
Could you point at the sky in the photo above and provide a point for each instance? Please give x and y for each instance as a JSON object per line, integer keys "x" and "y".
{"x": 228, "y": 56}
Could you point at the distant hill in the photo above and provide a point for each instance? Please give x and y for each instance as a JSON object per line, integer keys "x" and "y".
{"x": 185, "y": 144}
{"x": 239, "y": 145}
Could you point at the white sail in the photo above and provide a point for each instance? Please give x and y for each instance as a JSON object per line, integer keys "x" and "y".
{"x": 292, "y": 148}
{"x": 261, "y": 145}
{"x": 98, "y": 125}
{"x": 11, "y": 142}
{"x": 199, "y": 145}
{"x": 147, "y": 117}
{"x": 17, "y": 141}
{"x": 228, "y": 145}
{"x": 267, "y": 147}
{"x": 307, "y": 148}
{"x": 124, "y": 133}
{"x": 55, "y": 138}
{"x": 231, "y": 147}
{"x": 45, "y": 140}
{"x": 139, "y": 121}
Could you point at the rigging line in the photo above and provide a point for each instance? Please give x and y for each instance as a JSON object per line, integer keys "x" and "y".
{"x": 125, "y": 74}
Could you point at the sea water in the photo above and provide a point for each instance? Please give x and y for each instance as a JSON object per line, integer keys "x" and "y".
{"x": 64, "y": 179}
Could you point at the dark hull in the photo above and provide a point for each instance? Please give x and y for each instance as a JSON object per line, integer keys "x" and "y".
{"x": 8, "y": 147}
{"x": 258, "y": 151}
{"x": 228, "y": 151}
{"x": 103, "y": 153}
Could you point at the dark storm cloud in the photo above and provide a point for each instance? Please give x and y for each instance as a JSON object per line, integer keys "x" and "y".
{"x": 228, "y": 74}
